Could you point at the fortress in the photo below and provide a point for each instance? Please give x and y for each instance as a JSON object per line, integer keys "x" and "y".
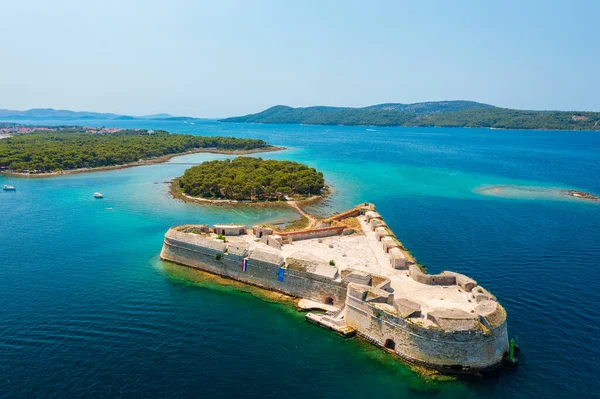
{"x": 352, "y": 266}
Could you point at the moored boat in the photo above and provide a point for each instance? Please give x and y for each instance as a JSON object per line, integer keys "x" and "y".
{"x": 98, "y": 195}
{"x": 8, "y": 187}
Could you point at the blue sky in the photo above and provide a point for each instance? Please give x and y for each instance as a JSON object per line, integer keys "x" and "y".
{"x": 221, "y": 58}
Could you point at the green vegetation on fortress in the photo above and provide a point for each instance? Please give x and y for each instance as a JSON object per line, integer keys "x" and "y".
{"x": 430, "y": 114}
{"x": 41, "y": 152}
{"x": 247, "y": 178}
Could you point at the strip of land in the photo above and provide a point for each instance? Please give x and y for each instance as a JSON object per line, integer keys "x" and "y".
{"x": 151, "y": 161}
{"x": 55, "y": 152}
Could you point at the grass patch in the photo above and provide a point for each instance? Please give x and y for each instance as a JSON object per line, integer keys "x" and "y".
{"x": 297, "y": 225}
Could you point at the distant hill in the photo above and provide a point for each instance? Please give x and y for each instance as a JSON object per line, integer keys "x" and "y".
{"x": 434, "y": 114}
{"x": 58, "y": 114}
{"x": 50, "y": 113}
{"x": 432, "y": 107}
{"x": 156, "y": 116}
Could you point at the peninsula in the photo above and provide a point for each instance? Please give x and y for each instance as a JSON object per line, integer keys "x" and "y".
{"x": 352, "y": 267}
{"x": 60, "y": 151}
{"x": 428, "y": 114}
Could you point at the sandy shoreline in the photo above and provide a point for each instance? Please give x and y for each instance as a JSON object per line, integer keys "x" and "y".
{"x": 161, "y": 159}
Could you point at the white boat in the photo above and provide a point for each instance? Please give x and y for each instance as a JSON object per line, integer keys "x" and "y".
{"x": 98, "y": 195}
{"x": 9, "y": 188}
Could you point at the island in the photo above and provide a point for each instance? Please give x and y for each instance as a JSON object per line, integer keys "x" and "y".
{"x": 68, "y": 150}
{"x": 582, "y": 195}
{"x": 251, "y": 179}
{"x": 358, "y": 279}
{"x": 427, "y": 114}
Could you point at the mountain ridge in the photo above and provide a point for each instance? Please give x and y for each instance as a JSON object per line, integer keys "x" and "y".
{"x": 455, "y": 113}
{"x": 51, "y": 113}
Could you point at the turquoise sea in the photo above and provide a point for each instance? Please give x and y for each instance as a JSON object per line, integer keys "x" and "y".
{"x": 88, "y": 310}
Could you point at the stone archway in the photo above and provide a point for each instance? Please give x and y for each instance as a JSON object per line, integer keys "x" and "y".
{"x": 328, "y": 301}
{"x": 390, "y": 344}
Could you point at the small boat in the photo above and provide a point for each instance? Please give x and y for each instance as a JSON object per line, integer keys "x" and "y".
{"x": 98, "y": 195}
{"x": 8, "y": 187}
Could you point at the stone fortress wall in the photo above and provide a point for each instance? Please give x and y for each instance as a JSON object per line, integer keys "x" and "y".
{"x": 262, "y": 268}
{"x": 387, "y": 310}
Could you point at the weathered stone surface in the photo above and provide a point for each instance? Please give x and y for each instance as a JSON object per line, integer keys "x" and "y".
{"x": 358, "y": 291}
{"x": 464, "y": 282}
{"x": 372, "y": 215}
{"x": 229, "y": 229}
{"x": 262, "y": 231}
{"x": 358, "y": 277}
{"x": 407, "y": 308}
{"x": 480, "y": 294}
{"x": 388, "y": 243}
{"x": 374, "y": 223}
{"x": 454, "y": 320}
{"x": 492, "y": 312}
{"x": 397, "y": 259}
{"x": 430, "y": 279}
{"x": 379, "y": 296}
{"x": 265, "y": 256}
{"x": 310, "y": 263}
{"x": 238, "y": 248}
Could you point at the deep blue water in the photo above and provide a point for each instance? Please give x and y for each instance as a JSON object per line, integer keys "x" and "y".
{"x": 88, "y": 310}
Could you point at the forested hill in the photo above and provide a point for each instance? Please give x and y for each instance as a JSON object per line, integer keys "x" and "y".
{"x": 438, "y": 114}
{"x": 253, "y": 179}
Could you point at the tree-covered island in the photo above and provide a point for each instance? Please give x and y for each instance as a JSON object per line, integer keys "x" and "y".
{"x": 68, "y": 150}
{"x": 251, "y": 179}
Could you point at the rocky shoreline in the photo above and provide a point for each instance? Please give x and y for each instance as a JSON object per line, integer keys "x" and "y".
{"x": 177, "y": 193}
{"x": 581, "y": 195}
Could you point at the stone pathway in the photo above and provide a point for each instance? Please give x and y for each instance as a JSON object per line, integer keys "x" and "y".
{"x": 312, "y": 221}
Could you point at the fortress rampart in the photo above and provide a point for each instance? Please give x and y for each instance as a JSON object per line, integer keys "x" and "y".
{"x": 444, "y": 321}
{"x": 261, "y": 271}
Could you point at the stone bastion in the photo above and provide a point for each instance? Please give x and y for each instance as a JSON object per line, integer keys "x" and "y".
{"x": 353, "y": 266}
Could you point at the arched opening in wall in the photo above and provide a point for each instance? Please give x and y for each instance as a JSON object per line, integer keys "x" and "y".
{"x": 260, "y": 234}
{"x": 390, "y": 344}
{"x": 328, "y": 301}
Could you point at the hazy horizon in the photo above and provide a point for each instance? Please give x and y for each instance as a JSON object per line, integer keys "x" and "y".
{"x": 210, "y": 60}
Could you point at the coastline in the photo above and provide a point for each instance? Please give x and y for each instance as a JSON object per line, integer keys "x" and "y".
{"x": 596, "y": 130}
{"x": 152, "y": 161}
{"x": 176, "y": 192}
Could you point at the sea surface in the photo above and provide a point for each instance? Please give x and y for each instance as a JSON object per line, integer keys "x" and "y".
{"x": 88, "y": 310}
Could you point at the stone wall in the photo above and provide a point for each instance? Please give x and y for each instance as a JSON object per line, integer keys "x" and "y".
{"x": 261, "y": 274}
{"x": 313, "y": 233}
{"x": 344, "y": 215}
{"x": 432, "y": 347}
{"x": 431, "y": 279}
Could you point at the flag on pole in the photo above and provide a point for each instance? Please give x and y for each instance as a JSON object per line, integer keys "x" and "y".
{"x": 244, "y": 265}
